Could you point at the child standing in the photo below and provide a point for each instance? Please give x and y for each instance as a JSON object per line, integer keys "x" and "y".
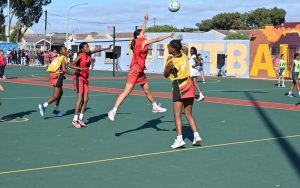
{"x": 177, "y": 70}
{"x": 295, "y": 74}
{"x": 281, "y": 71}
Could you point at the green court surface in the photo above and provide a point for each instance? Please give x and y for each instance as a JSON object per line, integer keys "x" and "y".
{"x": 244, "y": 146}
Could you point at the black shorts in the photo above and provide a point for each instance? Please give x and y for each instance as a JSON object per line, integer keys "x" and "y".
{"x": 60, "y": 81}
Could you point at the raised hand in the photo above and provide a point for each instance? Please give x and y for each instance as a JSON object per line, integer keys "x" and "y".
{"x": 146, "y": 17}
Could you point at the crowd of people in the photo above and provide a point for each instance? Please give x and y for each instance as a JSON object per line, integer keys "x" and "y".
{"x": 32, "y": 57}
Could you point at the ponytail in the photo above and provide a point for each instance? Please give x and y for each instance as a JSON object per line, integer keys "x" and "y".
{"x": 135, "y": 35}
{"x": 132, "y": 45}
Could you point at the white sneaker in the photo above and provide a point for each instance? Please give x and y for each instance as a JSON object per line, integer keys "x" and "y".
{"x": 177, "y": 144}
{"x": 111, "y": 115}
{"x": 197, "y": 141}
{"x": 201, "y": 97}
{"x": 283, "y": 85}
{"x": 158, "y": 109}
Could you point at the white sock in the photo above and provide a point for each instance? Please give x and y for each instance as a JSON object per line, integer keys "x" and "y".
{"x": 75, "y": 118}
{"x": 154, "y": 105}
{"x": 81, "y": 116}
{"x": 196, "y": 134}
{"x": 179, "y": 137}
{"x": 115, "y": 110}
{"x": 45, "y": 104}
{"x": 290, "y": 92}
{"x": 201, "y": 94}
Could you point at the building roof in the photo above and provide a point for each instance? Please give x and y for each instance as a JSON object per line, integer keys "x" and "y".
{"x": 56, "y": 38}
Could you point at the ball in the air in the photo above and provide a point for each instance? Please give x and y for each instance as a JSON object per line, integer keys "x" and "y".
{"x": 174, "y": 6}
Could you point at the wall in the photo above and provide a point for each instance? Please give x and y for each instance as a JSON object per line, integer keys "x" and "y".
{"x": 270, "y": 42}
{"x": 237, "y": 51}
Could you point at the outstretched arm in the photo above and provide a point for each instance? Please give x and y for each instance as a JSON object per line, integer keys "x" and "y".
{"x": 158, "y": 39}
{"x": 145, "y": 23}
{"x": 101, "y": 49}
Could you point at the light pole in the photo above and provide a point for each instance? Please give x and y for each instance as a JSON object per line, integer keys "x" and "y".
{"x": 50, "y": 35}
{"x": 7, "y": 29}
{"x": 49, "y": 32}
{"x": 67, "y": 16}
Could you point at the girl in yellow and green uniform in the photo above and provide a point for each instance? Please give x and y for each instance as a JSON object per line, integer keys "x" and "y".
{"x": 281, "y": 70}
{"x": 178, "y": 71}
{"x": 295, "y": 74}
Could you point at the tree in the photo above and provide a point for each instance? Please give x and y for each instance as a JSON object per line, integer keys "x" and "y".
{"x": 254, "y": 19}
{"x": 236, "y": 36}
{"x": 205, "y": 25}
{"x": 2, "y": 21}
{"x": 162, "y": 28}
{"x": 227, "y": 21}
{"x": 262, "y": 17}
{"x": 188, "y": 29}
{"x": 27, "y": 12}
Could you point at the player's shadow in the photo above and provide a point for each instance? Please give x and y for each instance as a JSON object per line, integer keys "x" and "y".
{"x": 187, "y": 133}
{"x": 16, "y": 115}
{"x": 97, "y": 118}
{"x": 67, "y": 113}
{"x": 290, "y": 152}
{"x": 152, "y": 124}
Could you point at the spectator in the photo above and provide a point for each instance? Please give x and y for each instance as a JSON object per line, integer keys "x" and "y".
{"x": 2, "y": 65}
{"x": 23, "y": 57}
{"x": 19, "y": 56}
{"x": 14, "y": 56}
{"x": 32, "y": 57}
{"x": 9, "y": 54}
{"x": 46, "y": 58}
{"x": 52, "y": 55}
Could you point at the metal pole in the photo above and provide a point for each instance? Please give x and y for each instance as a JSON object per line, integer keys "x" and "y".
{"x": 8, "y": 25}
{"x": 45, "y": 29}
{"x": 114, "y": 43}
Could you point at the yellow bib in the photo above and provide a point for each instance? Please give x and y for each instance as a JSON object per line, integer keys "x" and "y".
{"x": 181, "y": 68}
{"x": 56, "y": 64}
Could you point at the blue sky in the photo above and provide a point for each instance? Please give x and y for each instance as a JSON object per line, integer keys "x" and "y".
{"x": 97, "y": 15}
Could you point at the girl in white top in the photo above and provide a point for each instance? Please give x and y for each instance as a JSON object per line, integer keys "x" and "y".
{"x": 195, "y": 71}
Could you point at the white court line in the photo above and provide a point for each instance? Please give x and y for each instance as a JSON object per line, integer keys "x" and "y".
{"x": 160, "y": 153}
{"x": 68, "y": 96}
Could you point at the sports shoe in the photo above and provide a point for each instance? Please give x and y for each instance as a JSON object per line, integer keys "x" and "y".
{"x": 42, "y": 109}
{"x": 76, "y": 124}
{"x": 283, "y": 85}
{"x": 290, "y": 95}
{"x": 158, "y": 109}
{"x": 278, "y": 85}
{"x": 201, "y": 97}
{"x": 203, "y": 82}
{"x": 177, "y": 144}
{"x": 81, "y": 123}
{"x": 111, "y": 115}
{"x": 197, "y": 141}
{"x": 57, "y": 113}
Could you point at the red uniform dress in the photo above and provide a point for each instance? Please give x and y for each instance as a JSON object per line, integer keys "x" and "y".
{"x": 80, "y": 79}
{"x": 136, "y": 74}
